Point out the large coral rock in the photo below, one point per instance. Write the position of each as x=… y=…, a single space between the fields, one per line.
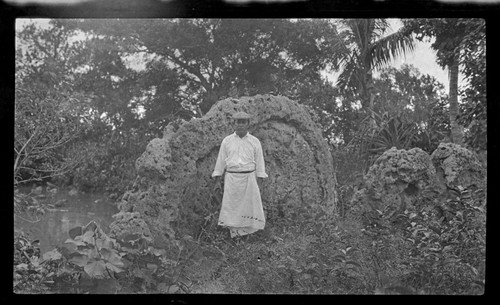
x=174 y=190
x=400 y=178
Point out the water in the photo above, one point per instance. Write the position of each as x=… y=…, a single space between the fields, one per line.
x=52 y=228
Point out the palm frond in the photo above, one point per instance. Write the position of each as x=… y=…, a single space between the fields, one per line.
x=394 y=133
x=380 y=27
x=387 y=48
x=348 y=80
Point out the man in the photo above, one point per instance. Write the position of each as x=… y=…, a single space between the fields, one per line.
x=241 y=163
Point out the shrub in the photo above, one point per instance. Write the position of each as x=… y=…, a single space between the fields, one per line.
x=439 y=249
x=91 y=262
x=29 y=274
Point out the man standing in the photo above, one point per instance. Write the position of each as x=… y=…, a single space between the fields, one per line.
x=241 y=163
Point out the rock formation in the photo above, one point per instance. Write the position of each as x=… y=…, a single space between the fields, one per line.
x=457 y=167
x=396 y=179
x=399 y=178
x=174 y=188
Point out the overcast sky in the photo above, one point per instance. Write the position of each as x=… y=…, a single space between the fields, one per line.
x=424 y=58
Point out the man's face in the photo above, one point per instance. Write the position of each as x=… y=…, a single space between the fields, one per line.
x=241 y=126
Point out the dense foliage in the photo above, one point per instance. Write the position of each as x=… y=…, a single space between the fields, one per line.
x=457 y=42
x=434 y=250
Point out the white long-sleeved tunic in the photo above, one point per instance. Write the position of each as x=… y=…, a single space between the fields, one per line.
x=240 y=154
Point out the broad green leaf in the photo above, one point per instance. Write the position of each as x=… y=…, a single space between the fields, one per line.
x=79 y=260
x=88 y=237
x=129 y=250
x=95 y=269
x=113 y=268
x=104 y=243
x=74 y=232
x=112 y=257
x=75 y=242
x=90 y=252
x=52 y=255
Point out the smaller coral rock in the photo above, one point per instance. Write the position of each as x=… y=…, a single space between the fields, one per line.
x=129 y=223
x=154 y=162
x=397 y=176
x=457 y=166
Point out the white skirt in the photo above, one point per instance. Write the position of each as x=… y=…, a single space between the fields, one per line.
x=241 y=209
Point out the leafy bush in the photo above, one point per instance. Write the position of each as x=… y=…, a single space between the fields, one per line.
x=448 y=245
x=29 y=273
x=92 y=262
x=432 y=249
x=30 y=204
x=109 y=162
x=437 y=248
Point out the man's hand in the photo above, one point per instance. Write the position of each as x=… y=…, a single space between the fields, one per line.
x=218 y=183
x=260 y=181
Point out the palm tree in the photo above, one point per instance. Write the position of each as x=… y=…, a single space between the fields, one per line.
x=367 y=48
x=456 y=130
x=449 y=35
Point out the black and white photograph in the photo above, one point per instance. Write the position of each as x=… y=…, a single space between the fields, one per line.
x=254 y=156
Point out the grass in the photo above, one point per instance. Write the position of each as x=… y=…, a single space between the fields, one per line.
x=313 y=253
x=315 y=256
x=283 y=260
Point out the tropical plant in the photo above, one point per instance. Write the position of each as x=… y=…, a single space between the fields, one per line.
x=28 y=273
x=90 y=248
x=393 y=133
x=365 y=49
x=450 y=36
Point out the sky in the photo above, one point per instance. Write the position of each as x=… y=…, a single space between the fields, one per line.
x=423 y=57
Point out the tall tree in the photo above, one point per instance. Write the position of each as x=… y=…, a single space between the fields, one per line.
x=449 y=37
x=473 y=94
x=210 y=56
x=366 y=48
x=48 y=111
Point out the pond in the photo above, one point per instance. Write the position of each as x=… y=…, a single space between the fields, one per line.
x=79 y=209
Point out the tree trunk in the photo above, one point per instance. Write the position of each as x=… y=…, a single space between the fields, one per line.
x=456 y=130
x=369 y=96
